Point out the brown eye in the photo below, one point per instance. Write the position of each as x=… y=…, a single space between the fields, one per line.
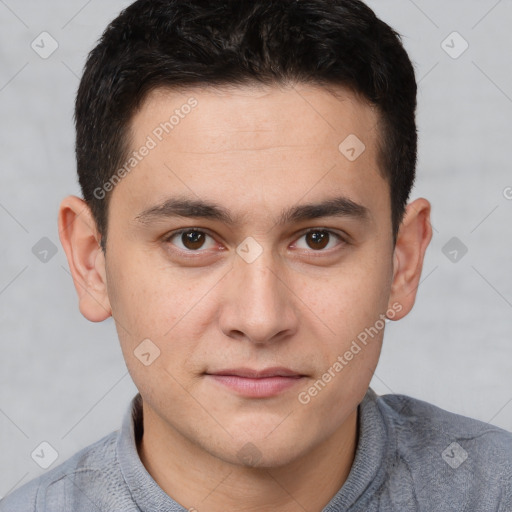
x=318 y=239
x=190 y=240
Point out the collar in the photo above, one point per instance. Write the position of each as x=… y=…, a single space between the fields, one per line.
x=365 y=477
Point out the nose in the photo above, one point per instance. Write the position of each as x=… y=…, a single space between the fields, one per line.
x=259 y=306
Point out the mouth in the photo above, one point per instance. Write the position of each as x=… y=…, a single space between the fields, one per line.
x=254 y=383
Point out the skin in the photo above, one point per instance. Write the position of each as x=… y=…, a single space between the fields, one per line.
x=255 y=151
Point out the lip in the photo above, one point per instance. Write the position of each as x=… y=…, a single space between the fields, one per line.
x=257 y=383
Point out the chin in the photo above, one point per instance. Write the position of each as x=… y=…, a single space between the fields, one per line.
x=259 y=456
x=262 y=451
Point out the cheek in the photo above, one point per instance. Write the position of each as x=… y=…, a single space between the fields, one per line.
x=171 y=308
x=351 y=303
x=353 y=296
x=147 y=297
x=352 y=306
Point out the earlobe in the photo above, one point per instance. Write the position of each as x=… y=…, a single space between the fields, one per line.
x=412 y=241
x=80 y=239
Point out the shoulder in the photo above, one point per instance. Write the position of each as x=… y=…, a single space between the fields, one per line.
x=421 y=423
x=78 y=479
x=447 y=453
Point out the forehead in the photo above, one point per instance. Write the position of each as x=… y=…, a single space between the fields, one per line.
x=307 y=113
x=255 y=147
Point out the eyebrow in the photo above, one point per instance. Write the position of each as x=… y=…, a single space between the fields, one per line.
x=185 y=207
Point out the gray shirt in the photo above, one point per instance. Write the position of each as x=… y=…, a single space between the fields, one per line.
x=411 y=456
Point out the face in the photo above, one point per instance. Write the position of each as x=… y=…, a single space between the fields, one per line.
x=252 y=236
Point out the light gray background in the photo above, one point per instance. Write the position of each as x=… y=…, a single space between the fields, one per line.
x=63 y=379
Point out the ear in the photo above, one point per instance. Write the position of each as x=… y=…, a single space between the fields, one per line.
x=412 y=241
x=81 y=242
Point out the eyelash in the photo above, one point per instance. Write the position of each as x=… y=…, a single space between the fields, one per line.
x=170 y=236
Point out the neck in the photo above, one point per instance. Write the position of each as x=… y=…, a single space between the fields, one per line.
x=199 y=481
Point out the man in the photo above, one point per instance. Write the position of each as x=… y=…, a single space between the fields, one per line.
x=246 y=167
